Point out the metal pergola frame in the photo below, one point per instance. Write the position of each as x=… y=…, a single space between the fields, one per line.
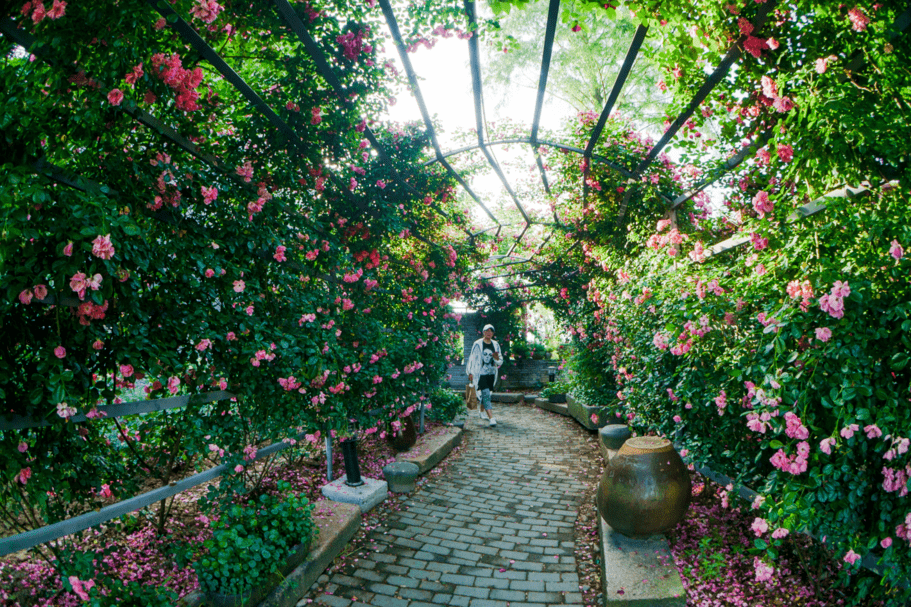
x=733 y=54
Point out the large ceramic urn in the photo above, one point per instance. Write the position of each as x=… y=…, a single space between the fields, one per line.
x=645 y=488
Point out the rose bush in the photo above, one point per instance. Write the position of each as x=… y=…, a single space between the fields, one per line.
x=164 y=232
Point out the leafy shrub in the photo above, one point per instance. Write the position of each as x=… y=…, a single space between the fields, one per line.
x=445 y=405
x=251 y=542
x=557 y=387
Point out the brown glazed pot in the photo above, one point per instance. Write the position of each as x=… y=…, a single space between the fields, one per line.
x=407 y=436
x=645 y=488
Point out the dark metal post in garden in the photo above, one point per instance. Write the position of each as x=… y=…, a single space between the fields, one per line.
x=328 y=456
x=352 y=468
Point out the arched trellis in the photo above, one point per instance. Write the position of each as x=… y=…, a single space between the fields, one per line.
x=293 y=22
x=733 y=54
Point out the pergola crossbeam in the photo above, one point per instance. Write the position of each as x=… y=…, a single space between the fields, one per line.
x=393 y=25
x=475 y=62
x=711 y=82
x=553 y=12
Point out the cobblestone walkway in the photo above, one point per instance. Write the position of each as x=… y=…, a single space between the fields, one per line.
x=495 y=529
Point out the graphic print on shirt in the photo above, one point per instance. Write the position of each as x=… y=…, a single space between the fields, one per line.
x=487 y=362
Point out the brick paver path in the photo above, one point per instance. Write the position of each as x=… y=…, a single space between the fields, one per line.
x=495 y=529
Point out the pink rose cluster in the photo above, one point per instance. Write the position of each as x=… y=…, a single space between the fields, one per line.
x=833 y=302
x=794 y=464
x=798 y=290
x=39 y=291
x=896 y=480
x=39 y=12
x=184 y=82
x=353 y=44
x=771 y=97
x=762 y=204
x=859 y=20
x=102 y=247
x=206 y=10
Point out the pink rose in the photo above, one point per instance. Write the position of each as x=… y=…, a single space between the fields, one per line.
x=825 y=445
x=848 y=431
x=60 y=352
x=102 y=247
x=763 y=570
x=81 y=588
x=126 y=370
x=25 y=297
x=97 y=344
x=886 y=542
x=115 y=96
x=873 y=431
x=40 y=291
x=23 y=446
x=24 y=475
x=896 y=251
x=759 y=526
x=68 y=249
x=105 y=491
x=823 y=334
x=239 y=286
x=57 y=11
x=851 y=557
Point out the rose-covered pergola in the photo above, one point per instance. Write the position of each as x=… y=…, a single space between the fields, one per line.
x=198 y=200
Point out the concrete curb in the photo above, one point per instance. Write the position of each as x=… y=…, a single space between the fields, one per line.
x=561 y=408
x=506 y=397
x=639 y=572
x=432 y=448
x=583 y=414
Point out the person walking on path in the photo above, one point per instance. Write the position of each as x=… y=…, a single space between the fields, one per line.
x=483 y=364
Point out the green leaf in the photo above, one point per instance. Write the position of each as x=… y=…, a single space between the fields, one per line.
x=761 y=544
x=131 y=229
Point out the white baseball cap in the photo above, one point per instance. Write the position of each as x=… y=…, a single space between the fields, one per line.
x=488 y=327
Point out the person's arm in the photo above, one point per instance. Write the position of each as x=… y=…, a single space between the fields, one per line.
x=498 y=359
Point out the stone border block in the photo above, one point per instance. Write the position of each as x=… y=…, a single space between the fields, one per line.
x=506 y=397
x=366 y=496
x=432 y=447
x=583 y=414
x=643 y=569
x=543 y=403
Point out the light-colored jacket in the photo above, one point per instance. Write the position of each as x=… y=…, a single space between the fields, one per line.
x=476 y=361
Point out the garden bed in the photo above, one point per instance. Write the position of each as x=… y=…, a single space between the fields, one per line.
x=714 y=551
x=129 y=549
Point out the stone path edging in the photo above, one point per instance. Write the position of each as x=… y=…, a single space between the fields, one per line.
x=432 y=447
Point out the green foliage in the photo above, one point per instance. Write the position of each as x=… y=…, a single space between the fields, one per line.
x=589 y=46
x=557 y=387
x=446 y=405
x=280 y=264
x=250 y=542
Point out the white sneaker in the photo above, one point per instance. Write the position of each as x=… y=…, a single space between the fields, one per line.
x=493 y=422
